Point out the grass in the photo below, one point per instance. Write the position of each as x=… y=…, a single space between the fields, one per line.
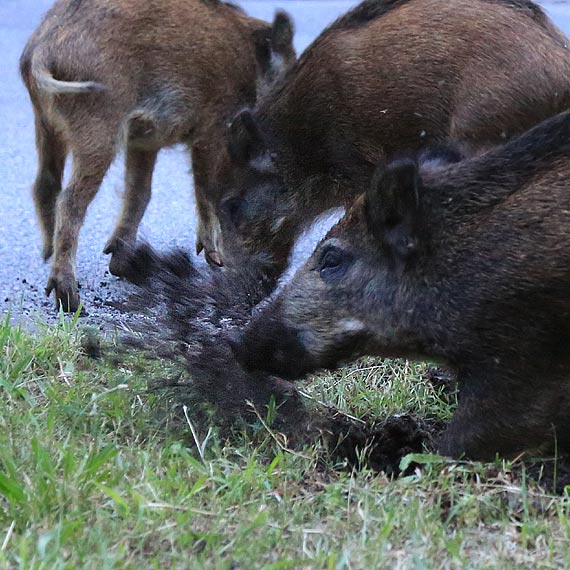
x=91 y=476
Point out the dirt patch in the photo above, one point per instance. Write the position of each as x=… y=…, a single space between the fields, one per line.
x=378 y=444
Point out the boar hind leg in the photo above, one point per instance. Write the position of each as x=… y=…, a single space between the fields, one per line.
x=138 y=179
x=89 y=168
x=47 y=186
x=209 y=231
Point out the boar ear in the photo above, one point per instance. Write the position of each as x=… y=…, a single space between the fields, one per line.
x=282 y=33
x=393 y=208
x=274 y=48
x=245 y=140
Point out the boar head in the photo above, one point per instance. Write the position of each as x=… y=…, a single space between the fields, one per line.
x=356 y=294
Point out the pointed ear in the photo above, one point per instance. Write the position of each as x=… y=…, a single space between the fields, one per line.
x=392 y=207
x=282 y=33
x=274 y=48
x=245 y=140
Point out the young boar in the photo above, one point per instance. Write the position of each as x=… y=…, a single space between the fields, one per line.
x=390 y=76
x=467 y=263
x=144 y=75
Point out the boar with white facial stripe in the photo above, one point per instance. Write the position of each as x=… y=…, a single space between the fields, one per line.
x=468 y=264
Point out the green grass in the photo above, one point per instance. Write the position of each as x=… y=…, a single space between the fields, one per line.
x=91 y=476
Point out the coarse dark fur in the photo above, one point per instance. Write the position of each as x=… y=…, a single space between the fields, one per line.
x=144 y=75
x=467 y=263
x=380 y=81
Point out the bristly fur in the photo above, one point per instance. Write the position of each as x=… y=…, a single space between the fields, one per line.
x=372 y=9
x=468 y=264
x=216 y=3
x=366 y=12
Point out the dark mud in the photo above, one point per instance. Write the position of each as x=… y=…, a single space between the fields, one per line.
x=444 y=383
x=378 y=444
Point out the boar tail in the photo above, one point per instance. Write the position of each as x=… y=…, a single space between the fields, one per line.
x=48 y=83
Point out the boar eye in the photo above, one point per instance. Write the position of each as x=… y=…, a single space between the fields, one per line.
x=333 y=263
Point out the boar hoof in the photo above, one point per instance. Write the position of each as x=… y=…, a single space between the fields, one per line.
x=135 y=264
x=118 y=266
x=112 y=246
x=66 y=294
x=214 y=258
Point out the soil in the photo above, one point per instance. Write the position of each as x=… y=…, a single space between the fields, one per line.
x=379 y=444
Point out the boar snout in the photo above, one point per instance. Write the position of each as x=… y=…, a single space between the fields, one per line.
x=270 y=346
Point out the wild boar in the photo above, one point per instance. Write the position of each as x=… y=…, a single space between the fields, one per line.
x=467 y=263
x=143 y=75
x=389 y=76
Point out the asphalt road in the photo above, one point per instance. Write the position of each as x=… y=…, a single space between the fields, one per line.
x=170 y=219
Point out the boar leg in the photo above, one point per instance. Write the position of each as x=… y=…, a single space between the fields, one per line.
x=89 y=168
x=203 y=211
x=47 y=186
x=138 y=179
x=500 y=419
x=209 y=231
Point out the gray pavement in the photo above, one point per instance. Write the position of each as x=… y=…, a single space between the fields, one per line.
x=170 y=219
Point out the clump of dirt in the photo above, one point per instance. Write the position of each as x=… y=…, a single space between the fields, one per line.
x=444 y=382
x=379 y=444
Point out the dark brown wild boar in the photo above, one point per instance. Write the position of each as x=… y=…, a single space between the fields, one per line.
x=144 y=75
x=467 y=263
x=390 y=76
